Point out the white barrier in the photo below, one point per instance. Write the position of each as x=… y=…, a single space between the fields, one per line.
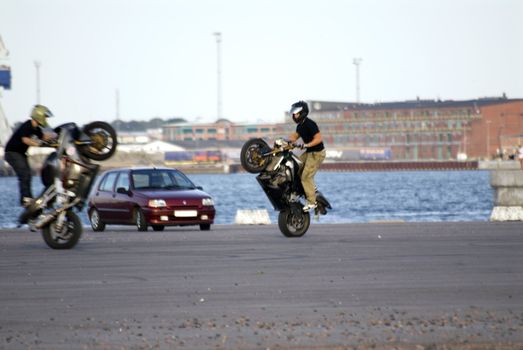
x=252 y=217
x=508 y=195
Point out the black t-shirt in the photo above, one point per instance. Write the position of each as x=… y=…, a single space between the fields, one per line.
x=15 y=143
x=307 y=130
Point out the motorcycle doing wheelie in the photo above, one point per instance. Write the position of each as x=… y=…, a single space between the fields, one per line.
x=279 y=172
x=68 y=175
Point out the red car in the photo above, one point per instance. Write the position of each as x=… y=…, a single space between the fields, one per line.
x=157 y=197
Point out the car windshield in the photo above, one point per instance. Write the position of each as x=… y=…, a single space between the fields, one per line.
x=160 y=179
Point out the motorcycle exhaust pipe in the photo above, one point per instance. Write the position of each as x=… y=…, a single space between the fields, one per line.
x=44 y=220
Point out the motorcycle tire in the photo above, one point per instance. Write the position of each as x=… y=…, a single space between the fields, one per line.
x=294 y=222
x=103 y=138
x=67 y=239
x=251 y=156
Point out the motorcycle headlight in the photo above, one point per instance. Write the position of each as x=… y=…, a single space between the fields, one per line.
x=207 y=202
x=157 y=203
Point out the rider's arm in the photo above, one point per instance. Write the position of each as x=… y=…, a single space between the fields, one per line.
x=316 y=140
x=31 y=142
x=294 y=136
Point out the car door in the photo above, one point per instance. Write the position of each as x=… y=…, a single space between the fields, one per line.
x=103 y=197
x=123 y=202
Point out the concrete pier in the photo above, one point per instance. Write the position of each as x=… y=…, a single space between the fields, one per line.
x=409 y=286
x=508 y=195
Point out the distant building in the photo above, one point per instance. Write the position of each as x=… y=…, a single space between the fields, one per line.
x=412 y=130
x=423 y=129
x=221 y=130
x=153 y=147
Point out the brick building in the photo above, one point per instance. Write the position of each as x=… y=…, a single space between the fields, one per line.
x=412 y=130
x=424 y=129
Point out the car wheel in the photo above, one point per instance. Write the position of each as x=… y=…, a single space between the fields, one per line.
x=205 y=227
x=96 y=223
x=158 y=227
x=139 y=220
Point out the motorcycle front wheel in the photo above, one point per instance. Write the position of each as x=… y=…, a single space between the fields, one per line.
x=251 y=155
x=68 y=236
x=102 y=143
x=294 y=222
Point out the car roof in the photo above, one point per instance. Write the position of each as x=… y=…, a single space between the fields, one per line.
x=138 y=168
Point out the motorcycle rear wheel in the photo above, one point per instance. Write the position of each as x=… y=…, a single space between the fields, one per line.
x=251 y=156
x=294 y=222
x=68 y=237
x=103 y=141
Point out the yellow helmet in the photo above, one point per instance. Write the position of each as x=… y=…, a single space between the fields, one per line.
x=40 y=114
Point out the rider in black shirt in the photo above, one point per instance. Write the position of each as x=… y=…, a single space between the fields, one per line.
x=30 y=133
x=315 y=152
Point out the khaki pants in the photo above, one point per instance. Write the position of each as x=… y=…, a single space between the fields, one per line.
x=312 y=162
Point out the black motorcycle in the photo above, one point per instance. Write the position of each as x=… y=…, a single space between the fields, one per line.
x=68 y=175
x=279 y=172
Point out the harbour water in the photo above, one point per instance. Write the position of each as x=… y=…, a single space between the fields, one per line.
x=355 y=196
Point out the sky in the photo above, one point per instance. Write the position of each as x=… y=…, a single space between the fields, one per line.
x=161 y=55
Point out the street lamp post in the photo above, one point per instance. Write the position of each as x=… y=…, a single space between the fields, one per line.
x=38 y=64
x=357 y=62
x=218 y=36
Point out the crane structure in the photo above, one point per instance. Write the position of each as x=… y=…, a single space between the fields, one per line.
x=5 y=83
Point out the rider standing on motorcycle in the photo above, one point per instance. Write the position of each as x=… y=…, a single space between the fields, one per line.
x=314 y=155
x=30 y=133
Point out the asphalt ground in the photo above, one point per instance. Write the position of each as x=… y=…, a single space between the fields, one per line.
x=378 y=285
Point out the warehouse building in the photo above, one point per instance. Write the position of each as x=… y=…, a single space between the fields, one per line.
x=409 y=130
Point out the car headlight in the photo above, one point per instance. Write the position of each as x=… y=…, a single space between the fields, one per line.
x=157 y=203
x=207 y=202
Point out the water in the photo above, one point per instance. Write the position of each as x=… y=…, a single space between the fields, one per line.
x=356 y=197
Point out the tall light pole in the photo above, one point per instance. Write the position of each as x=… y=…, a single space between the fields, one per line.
x=117 y=103
x=38 y=64
x=357 y=62
x=218 y=37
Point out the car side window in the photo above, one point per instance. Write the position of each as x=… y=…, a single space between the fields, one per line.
x=123 y=181
x=108 y=183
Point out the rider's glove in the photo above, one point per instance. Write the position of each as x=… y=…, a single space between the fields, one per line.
x=300 y=146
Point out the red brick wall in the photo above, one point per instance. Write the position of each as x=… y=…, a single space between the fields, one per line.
x=498 y=123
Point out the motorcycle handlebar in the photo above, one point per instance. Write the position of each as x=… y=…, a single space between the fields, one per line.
x=49 y=143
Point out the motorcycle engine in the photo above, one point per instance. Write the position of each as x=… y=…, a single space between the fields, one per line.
x=281 y=175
